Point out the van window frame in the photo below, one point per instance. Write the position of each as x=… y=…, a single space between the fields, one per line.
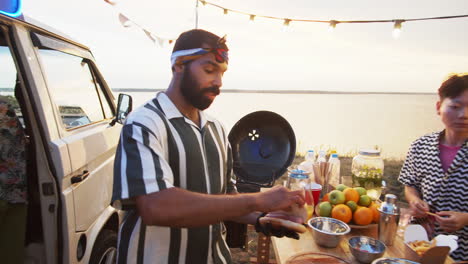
x=41 y=41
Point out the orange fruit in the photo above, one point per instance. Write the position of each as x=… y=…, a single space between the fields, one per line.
x=376 y=214
x=325 y=198
x=363 y=216
x=351 y=195
x=342 y=212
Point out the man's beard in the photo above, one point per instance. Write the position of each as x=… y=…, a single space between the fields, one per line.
x=191 y=92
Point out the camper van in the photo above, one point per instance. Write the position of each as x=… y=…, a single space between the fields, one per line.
x=72 y=127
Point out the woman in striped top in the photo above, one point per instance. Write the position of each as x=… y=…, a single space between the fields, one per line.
x=435 y=173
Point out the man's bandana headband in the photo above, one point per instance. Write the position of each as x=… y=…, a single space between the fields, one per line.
x=183 y=56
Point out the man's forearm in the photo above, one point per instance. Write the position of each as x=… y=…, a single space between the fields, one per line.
x=246 y=219
x=181 y=208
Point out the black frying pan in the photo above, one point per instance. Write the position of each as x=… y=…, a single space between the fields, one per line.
x=263 y=146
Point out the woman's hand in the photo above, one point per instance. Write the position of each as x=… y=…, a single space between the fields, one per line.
x=451 y=221
x=419 y=207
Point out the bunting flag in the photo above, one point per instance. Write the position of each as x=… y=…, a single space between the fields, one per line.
x=127 y=22
x=150 y=35
x=110 y=2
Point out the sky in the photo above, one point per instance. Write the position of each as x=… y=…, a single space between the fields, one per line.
x=355 y=57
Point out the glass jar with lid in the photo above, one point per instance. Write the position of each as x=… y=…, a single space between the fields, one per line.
x=297 y=179
x=367 y=171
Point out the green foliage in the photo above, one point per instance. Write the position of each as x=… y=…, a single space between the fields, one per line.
x=11 y=100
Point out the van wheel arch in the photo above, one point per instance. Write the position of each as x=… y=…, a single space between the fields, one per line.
x=105 y=248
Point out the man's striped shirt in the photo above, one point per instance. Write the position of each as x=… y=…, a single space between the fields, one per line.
x=159 y=148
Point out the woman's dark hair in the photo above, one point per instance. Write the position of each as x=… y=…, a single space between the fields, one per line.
x=195 y=38
x=454 y=86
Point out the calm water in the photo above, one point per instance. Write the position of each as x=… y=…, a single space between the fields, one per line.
x=346 y=122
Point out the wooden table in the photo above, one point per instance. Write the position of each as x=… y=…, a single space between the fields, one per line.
x=285 y=247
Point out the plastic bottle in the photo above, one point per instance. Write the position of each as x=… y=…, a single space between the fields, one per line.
x=322 y=156
x=308 y=163
x=335 y=177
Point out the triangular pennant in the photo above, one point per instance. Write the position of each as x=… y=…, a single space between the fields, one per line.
x=160 y=41
x=150 y=35
x=125 y=21
x=110 y=2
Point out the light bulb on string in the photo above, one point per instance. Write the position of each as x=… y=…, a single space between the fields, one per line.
x=225 y=11
x=397 y=28
x=286 y=25
x=332 y=26
x=203 y=2
x=251 y=18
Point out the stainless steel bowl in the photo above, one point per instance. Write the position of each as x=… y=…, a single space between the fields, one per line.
x=366 y=249
x=393 y=261
x=327 y=232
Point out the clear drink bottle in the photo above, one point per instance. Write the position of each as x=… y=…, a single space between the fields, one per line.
x=334 y=162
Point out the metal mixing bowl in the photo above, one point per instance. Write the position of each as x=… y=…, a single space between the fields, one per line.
x=327 y=232
x=393 y=261
x=366 y=249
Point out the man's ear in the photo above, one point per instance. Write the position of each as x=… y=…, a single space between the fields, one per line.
x=438 y=104
x=178 y=68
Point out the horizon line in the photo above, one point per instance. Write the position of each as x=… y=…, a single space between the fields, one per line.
x=278 y=91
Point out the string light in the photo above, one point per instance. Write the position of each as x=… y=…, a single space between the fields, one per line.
x=286 y=24
x=397 y=28
x=332 y=23
x=252 y=18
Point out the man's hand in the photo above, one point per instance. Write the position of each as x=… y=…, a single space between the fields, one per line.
x=269 y=229
x=451 y=221
x=418 y=207
x=279 y=198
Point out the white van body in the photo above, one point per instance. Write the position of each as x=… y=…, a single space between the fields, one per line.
x=70 y=170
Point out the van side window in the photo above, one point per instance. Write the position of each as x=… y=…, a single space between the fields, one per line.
x=105 y=104
x=72 y=88
x=8 y=78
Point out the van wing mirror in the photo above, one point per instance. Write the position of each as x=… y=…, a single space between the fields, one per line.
x=124 y=107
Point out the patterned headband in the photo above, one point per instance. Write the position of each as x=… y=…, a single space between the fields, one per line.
x=183 y=56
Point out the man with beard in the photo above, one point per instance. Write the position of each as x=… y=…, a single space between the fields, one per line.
x=173 y=167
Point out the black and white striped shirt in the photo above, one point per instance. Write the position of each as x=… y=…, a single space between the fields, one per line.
x=443 y=191
x=159 y=148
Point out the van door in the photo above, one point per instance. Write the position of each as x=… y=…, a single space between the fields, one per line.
x=43 y=162
x=84 y=108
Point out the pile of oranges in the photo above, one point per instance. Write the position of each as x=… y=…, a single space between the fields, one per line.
x=357 y=207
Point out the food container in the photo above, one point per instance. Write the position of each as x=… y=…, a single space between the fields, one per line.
x=366 y=249
x=438 y=252
x=315 y=258
x=327 y=232
x=367 y=171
